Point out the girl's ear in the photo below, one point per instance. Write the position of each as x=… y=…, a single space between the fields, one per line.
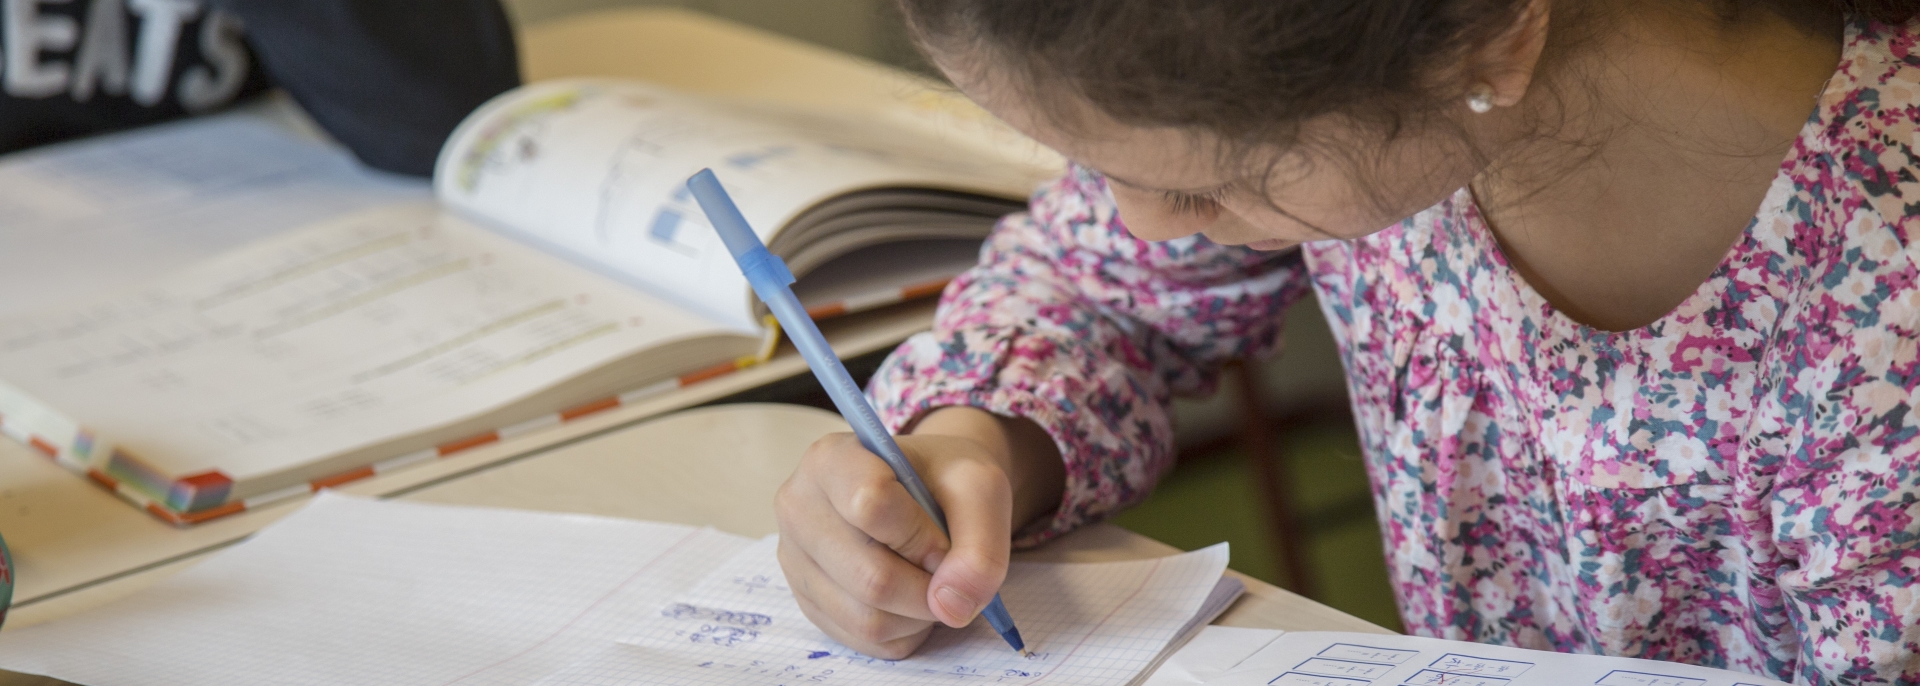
x=1507 y=63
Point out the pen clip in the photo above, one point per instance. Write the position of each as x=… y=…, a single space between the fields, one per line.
x=762 y=267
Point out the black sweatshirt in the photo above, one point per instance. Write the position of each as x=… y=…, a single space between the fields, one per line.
x=388 y=78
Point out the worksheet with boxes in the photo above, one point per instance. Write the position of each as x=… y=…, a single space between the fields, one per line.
x=1346 y=659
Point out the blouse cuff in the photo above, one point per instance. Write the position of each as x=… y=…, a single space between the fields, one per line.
x=920 y=377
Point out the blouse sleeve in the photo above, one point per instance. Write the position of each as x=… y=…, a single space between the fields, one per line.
x=1848 y=527
x=1071 y=322
x=1845 y=501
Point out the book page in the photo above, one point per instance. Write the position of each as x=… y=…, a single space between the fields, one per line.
x=596 y=170
x=354 y=591
x=1101 y=623
x=325 y=339
x=1348 y=659
x=93 y=216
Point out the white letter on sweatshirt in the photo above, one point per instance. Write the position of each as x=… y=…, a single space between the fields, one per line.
x=27 y=34
x=203 y=89
x=103 y=54
x=160 y=22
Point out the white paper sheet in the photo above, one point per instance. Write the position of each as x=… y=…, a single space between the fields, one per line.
x=1086 y=623
x=1348 y=659
x=1211 y=653
x=353 y=591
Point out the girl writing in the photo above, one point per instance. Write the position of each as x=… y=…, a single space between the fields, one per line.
x=1623 y=289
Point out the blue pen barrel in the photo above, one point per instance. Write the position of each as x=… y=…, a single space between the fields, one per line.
x=771 y=280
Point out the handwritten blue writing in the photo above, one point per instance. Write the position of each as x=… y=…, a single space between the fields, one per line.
x=1363 y=670
x=1467 y=664
x=795 y=672
x=723 y=636
x=1428 y=677
x=1348 y=651
x=759 y=582
x=985 y=676
x=685 y=611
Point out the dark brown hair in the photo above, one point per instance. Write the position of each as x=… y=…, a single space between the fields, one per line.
x=1248 y=71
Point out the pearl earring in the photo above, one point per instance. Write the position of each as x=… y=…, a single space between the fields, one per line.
x=1481 y=99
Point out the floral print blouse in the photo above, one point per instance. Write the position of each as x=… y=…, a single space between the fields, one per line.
x=1736 y=484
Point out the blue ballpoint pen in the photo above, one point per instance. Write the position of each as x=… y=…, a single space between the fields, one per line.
x=771 y=280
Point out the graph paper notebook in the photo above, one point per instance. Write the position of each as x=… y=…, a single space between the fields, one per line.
x=1105 y=623
x=558 y=268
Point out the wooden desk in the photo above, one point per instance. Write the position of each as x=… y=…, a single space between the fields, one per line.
x=716 y=466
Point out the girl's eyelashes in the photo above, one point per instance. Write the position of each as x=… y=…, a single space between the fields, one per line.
x=1194 y=204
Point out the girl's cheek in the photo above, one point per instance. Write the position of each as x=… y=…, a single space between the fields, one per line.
x=1267 y=224
x=1313 y=220
x=1148 y=219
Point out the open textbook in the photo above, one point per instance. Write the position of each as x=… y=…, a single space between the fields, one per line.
x=356 y=591
x=557 y=268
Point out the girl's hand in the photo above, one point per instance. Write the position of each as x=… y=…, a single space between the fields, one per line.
x=870 y=568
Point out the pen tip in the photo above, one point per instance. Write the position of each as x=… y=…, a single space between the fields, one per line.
x=1026 y=653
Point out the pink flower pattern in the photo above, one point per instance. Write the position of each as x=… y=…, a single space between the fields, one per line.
x=1734 y=485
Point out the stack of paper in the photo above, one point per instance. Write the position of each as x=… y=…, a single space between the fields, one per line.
x=353 y=591
x=1086 y=624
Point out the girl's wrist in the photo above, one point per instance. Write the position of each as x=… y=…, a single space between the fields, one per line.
x=1023 y=450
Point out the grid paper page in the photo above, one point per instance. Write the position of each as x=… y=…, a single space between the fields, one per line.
x=1330 y=658
x=1086 y=623
x=354 y=591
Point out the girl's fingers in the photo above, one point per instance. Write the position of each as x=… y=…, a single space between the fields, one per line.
x=849 y=558
x=858 y=548
x=979 y=514
x=855 y=563
x=895 y=649
x=861 y=626
x=867 y=495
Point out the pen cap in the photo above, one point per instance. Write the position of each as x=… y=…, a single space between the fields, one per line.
x=723 y=214
x=762 y=269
